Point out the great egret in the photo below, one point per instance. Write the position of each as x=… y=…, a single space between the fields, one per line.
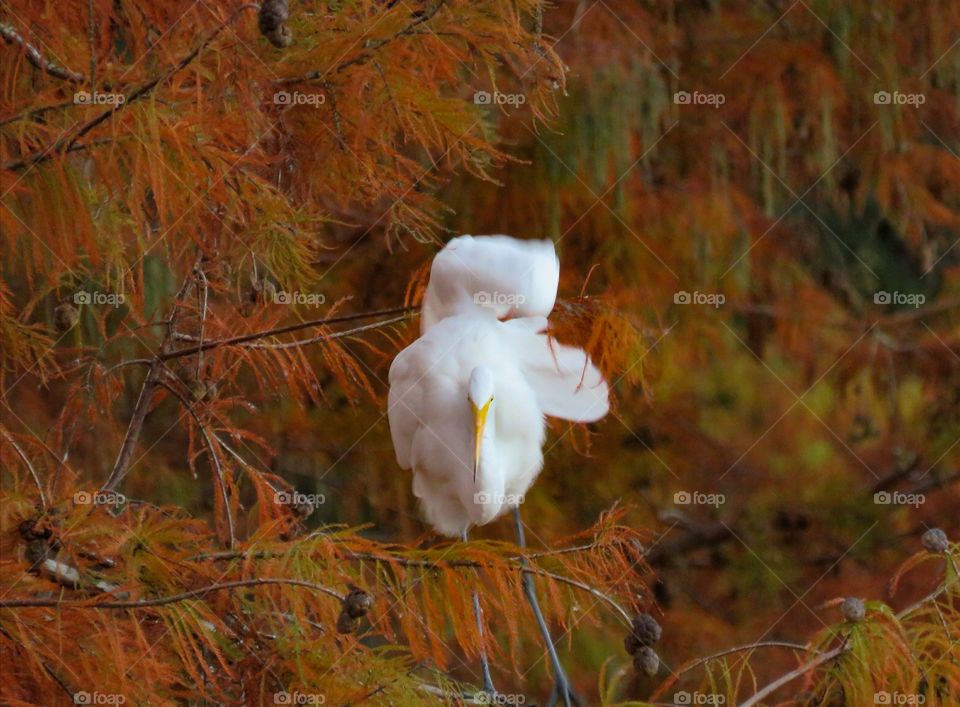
x=468 y=398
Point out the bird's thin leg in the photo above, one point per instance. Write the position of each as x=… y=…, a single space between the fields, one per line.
x=561 y=685
x=484 y=663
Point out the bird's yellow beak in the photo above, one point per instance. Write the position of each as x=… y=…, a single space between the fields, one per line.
x=479 y=423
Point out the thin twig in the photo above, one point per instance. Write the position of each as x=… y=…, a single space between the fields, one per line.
x=92 y=44
x=370 y=49
x=792 y=675
x=26 y=460
x=337 y=123
x=286 y=330
x=203 y=319
x=162 y=601
x=34 y=112
x=932 y=596
x=328 y=337
x=585 y=587
x=142 y=407
x=428 y=564
x=131 y=362
x=218 y=470
x=34 y=56
x=50 y=671
x=741 y=649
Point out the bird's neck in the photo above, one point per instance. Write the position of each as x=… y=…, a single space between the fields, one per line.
x=490 y=479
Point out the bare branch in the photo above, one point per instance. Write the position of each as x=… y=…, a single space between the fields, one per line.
x=792 y=675
x=26 y=460
x=142 y=406
x=162 y=601
x=741 y=649
x=428 y=564
x=215 y=462
x=33 y=55
x=245 y=338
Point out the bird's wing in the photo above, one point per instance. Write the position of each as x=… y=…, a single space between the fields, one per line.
x=511 y=277
x=403 y=402
x=563 y=378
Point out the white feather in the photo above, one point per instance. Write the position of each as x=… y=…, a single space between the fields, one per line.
x=511 y=277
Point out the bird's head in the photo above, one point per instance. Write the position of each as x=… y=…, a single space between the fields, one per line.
x=480 y=395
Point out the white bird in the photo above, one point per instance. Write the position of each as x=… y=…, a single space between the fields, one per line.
x=468 y=399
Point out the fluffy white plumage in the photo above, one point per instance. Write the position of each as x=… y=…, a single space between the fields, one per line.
x=483 y=355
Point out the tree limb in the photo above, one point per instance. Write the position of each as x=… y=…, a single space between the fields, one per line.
x=214 y=460
x=26 y=460
x=245 y=338
x=33 y=55
x=142 y=407
x=162 y=601
x=428 y=564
